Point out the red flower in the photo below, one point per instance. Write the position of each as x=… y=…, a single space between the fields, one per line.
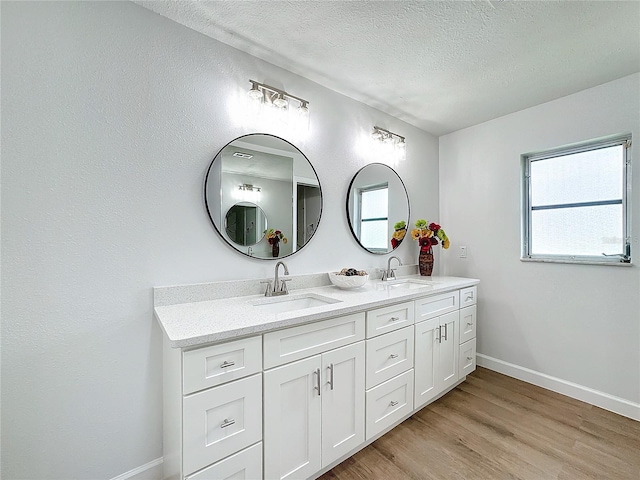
x=394 y=243
x=434 y=227
x=424 y=242
x=278 y=232
x=434 y=240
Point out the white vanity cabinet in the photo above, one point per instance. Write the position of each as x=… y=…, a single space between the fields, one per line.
x=292 y=403
x=313 y=407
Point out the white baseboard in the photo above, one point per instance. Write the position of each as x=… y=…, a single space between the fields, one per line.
x=148 y=471
x=579 y=392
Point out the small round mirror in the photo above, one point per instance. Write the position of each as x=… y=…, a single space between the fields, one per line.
x=258 y=179
x=378 y=208
x=245 y=223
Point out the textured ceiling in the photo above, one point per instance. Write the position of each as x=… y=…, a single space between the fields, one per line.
x=440 y=66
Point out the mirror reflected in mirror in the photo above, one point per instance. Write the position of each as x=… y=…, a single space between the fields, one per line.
x=259 y=182
x=378 y=208
x=245 y=223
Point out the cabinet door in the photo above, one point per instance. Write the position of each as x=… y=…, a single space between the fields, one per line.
x=427 y=337
x=342 y=401
x=292 y=416
x=449 y=349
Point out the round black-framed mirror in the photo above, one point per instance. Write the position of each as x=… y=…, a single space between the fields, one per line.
x=274 y=175
x=378 y=208
x=245 y=223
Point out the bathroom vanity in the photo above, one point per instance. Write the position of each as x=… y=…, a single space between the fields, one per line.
x=289 y=386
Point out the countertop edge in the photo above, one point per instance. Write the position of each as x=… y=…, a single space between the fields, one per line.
x=292 y=320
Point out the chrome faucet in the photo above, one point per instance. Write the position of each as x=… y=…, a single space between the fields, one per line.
x=390 y=273
x=279 y=286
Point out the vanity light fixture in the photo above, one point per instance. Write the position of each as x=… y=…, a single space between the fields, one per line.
x=247 y=187
x=246 y=156
x=394 y=144
x=249 y=193
x=385 y=136
x=276 y=97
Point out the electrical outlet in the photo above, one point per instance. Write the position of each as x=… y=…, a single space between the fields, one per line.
x=463 y=252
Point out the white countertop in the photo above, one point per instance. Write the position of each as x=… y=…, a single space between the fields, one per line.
x=196 y=323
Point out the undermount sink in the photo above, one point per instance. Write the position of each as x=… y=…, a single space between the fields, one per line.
x=406 y=284
x=290 y=303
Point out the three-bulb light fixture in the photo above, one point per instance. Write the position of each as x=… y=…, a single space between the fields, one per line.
x=248 y=193
x=392 y=147
x=279 y=99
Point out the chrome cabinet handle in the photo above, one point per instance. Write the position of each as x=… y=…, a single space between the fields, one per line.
x=393 y=403
x=394 y=319
x=331 y=376
x=469 y=359
x=227 y=422
x=446 y=329
x=470 y=323
x=317 y=374
x=439 y=337
x=393 y=355
x=469 y=296
x=226 y=364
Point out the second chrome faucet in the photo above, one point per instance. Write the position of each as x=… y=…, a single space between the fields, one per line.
x=279 y=286
x=390 y=274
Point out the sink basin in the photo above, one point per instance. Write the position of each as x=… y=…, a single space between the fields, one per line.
x=407 y=284
x=290 y=303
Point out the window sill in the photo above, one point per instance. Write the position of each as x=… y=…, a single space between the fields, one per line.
x=578 y=262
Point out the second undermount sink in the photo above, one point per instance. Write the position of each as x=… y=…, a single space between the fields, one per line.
x=290 y=303
x=406 y=284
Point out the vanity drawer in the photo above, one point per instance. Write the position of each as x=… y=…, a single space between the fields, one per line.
x=467 y=358
x=467 y=323
x=387 y=319
x=220 y=421
x=245 y=464
x=210 y=366
x=389 y=355
x=468 y=296
x=295 y=343
x=389 y=402
x=436 y=305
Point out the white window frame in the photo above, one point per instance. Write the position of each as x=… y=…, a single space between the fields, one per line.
x=361 y=220
x=622 y=259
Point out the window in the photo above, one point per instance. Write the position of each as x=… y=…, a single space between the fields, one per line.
x=374 y=217
x=575 y=203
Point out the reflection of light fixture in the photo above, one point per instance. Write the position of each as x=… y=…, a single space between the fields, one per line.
x=247 y=187
x=276 y=97
x=249 y=193
x=243 y=155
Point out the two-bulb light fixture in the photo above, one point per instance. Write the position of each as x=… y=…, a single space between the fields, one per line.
x=393 y=145
x=279 y=100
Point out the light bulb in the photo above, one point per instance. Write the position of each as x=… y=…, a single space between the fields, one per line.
x=303 y=110
x=376 y=135
x=280 y=102
x=255 y=92
x=401 y=144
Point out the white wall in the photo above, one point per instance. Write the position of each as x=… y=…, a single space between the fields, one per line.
x=578 y=323
x=111 y=115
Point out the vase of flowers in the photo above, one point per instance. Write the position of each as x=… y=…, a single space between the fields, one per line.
x=274 y=237
x=427 y=235
x=399 y=231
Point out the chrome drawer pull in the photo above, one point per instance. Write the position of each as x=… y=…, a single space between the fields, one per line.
x=317 y=374
x=469 y=296
x=394 y=319
x=393 y=403
x=470 y=323
x=439 y=337
x=393 y=355
x=446 y=329
x=226 y=364
x=227 y=423
x=469 y=359
x=331 y=375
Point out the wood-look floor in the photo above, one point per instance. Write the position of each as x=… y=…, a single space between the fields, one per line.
x=496 y=427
